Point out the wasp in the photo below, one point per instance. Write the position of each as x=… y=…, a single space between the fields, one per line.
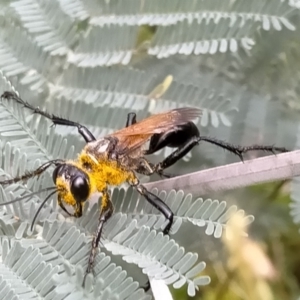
x=118 y=158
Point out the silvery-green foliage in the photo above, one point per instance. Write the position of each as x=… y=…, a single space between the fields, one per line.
x=95 y=61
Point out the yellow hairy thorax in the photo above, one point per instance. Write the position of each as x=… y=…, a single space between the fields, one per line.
x=101 y=172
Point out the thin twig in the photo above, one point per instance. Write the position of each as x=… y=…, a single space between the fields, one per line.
x=265 y=169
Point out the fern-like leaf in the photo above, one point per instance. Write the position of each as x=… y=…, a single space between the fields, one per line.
x=24 y=273
x=105 y=47
x=112 y=281
x=19 y=56
x=52 y=30
x=211 y=214
x=118 y=87
x=157 y=13
x=170 y=263
x=204 y=37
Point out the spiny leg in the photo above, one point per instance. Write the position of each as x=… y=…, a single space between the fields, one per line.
x=174 y=139
x=84 y=132
x=187 y=136
x=105 y=214
x=240 y=150
x=237 y=150
x=161 y=206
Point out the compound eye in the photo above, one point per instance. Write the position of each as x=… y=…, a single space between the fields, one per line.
x=80 y=188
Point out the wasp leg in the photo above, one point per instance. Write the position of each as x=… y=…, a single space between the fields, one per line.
x=186 y=137
x=158 y=204
x=161 y=206
x=84 y=132
x=240 y=150
x=106 y=212
x=237 y=150
x=131 y=119
x=182 y=137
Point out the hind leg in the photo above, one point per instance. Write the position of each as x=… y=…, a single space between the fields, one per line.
x=187 y=136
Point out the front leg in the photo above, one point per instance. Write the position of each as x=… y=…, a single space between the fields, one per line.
x=160 y=205
x=155 y=201
x=105 y=214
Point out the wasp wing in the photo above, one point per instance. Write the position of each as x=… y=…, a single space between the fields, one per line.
x=135 y=136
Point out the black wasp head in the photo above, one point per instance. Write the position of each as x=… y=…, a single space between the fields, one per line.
x=74 y=178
